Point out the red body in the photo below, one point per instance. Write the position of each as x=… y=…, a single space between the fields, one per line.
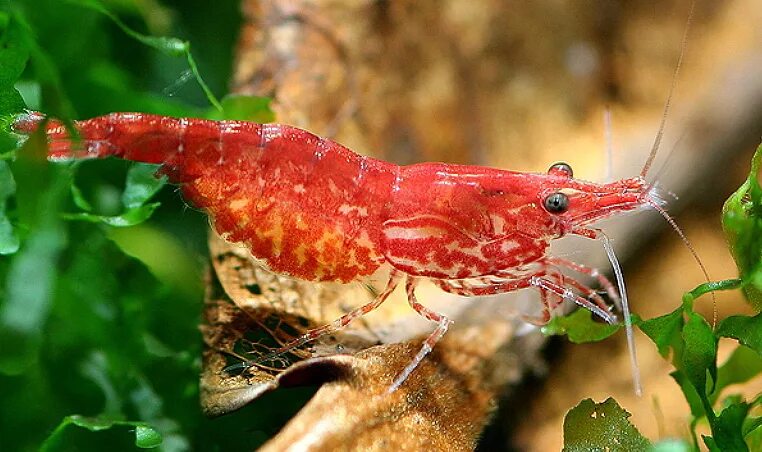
x=313 y=209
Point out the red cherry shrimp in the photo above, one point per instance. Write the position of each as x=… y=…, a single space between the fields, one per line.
x=312 y=209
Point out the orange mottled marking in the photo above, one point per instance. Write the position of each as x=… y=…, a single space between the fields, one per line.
x=307 y=213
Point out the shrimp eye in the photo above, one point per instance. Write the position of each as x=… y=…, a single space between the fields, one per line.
x=556 y=203
x=561 y=168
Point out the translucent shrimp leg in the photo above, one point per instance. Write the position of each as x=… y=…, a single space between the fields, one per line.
x=443 y=323
x=604 y=282
x=337 y=324
x=543 y=283
x=568 y=294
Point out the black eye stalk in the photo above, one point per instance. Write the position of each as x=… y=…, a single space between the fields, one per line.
x=561 y=169
x=557 y=203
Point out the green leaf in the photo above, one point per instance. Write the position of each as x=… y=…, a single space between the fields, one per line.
x=164 y=256
x=31 y=93
x=129 y=218
x=9 y=241
x=732 y=399
x=742 y=224
x=580 y=327
x=751 y=424
x=96 y=368
x=671 y=445
x=146 y=437
x=700 y=352
x=10 y=101
x=40 y=192
x=7 y=183
x=14 y=54
x=689 y=392
x=132 y=216
x=79 y=199
x=142 y=184
x=52 y=91
x=743 y=365
x=14 y=50
x=754 y=439
x=709 y=441
x=93 y=424
x=746 y=330
x=664 y=330
x=601 y=426
x=244 y=108
x=727 y=429
x=707 y=287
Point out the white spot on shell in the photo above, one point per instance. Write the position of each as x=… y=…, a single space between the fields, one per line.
x=508 y=246
x=346 y=208
x=271 y=132
x=498 y=224
x=239 y=203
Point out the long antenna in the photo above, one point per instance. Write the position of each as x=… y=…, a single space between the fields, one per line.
x=609 y=144
x=687 y=242
x=660 y=133
x=626 y=311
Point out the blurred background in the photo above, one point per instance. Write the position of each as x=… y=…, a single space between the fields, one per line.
x=105 y=320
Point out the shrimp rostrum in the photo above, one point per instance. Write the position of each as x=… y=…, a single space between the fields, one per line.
x=311 y=208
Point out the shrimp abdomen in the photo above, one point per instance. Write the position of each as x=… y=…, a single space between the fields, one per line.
x=307 y=206
x=310 y=206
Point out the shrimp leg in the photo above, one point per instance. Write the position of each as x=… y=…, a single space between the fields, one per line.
x=550 y=286
x=337 y=324
x=443 y=323
x=490 y=286
x=592 y=272
x=541 y=282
